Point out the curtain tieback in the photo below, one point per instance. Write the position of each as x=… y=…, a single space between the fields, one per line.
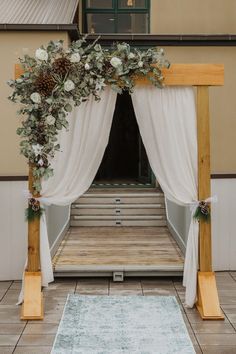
x=196 y=204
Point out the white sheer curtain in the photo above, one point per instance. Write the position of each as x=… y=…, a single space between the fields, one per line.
x=75 y=166
x=167 y=123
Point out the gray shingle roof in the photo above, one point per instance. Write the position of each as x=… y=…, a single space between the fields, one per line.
x=37 y=11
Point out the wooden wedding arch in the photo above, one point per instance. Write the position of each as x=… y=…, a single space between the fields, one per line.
x=202 y=76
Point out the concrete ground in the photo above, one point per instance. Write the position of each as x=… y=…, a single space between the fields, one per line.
x=24 y=337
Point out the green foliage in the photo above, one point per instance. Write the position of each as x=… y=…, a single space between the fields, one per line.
x=31 y=214
x=47 y=90
x=199 y=215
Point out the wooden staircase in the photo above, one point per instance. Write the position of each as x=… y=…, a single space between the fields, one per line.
x=129 y=207
x=118 y=232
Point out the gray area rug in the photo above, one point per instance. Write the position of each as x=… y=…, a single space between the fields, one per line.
x=122 y=325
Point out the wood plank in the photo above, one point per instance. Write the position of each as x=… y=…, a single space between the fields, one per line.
x=18 y=71
x=204 y=174
x=111 y=246
x=32 y=308
x=191 y=75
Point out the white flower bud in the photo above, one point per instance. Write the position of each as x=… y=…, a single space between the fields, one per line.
x=115 y=62
x=87 y=66
x=131 y=56
x=37 y=148
x=41 y=54
x=140 y=64
x=35 y=97
x=50 y=120
x=75 y=58
x=69 y=85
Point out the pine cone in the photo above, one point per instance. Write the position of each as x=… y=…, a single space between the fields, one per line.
x=205 y=210
x=61 y=66
x=45 y=84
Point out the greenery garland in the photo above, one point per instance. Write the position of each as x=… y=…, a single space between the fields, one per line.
x=56 y=78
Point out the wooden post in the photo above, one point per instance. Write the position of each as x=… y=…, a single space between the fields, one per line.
x=208 y=301
x=32 y=308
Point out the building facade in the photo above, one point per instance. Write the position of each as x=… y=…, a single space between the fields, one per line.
x=190 y=32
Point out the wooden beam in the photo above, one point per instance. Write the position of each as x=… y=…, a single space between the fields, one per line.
x=208 y=301
x=180 y=75
x=191 y=75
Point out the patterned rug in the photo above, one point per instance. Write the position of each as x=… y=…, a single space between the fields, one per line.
x=122 y=325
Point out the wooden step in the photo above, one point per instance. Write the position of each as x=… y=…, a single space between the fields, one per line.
x=122 y=209
x=118 y=222
x=120 y=199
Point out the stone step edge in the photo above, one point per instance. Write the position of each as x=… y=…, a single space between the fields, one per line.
x=119 y=195
x=118 y=217
x=117 y=206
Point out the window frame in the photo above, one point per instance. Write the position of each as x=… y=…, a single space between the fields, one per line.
x=115 y=11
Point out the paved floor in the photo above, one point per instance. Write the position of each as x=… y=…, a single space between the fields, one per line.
x=37 y=337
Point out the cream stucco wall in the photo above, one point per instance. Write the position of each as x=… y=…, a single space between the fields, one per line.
x=222 y=102
x=13 y=45
x=193 y=16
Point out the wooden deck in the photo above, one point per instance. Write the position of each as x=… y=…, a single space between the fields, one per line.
x=109 y=249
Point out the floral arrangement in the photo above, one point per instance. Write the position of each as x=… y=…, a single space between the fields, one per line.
x=34 y=210
x=203 y=211
x=56 y=78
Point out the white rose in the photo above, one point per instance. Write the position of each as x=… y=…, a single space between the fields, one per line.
x=50 y=120
x=75 y=58
x=115 y=62
x=37 y=148
x=131 y=56
x=140 y=64
x=41 y=54
x=87 y=66
x=35 y=97
x=69 y=85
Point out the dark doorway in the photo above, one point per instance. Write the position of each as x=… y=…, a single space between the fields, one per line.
x=125 y=159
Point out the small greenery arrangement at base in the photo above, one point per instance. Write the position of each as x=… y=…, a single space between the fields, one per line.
x=34 y=211
x=56 y=78
x=203 y=211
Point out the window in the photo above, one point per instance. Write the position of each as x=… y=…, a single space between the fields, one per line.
x=116 y=16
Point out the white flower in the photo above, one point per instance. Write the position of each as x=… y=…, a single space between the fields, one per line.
x=40 y=162
x=140 y=64
x=69 y=85
x=115 y=62
x=35 y=97
x=50 y=120
x=131 y=56
x=37 y=148
x=87 y=66
x=41 y=54
x=75 y=58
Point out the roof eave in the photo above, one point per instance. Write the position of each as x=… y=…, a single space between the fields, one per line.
x=72 y=29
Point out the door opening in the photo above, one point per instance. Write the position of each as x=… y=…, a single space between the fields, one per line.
x=125 y=160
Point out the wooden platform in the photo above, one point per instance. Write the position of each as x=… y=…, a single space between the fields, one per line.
x=104 y=250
